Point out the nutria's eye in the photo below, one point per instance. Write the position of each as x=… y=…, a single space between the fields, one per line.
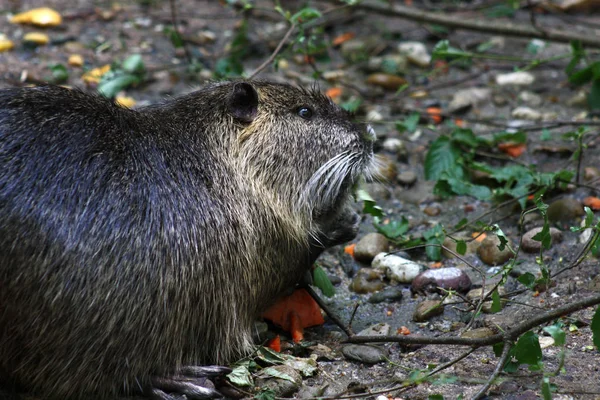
x=305 y=112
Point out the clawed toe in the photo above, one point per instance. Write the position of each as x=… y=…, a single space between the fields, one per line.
x=192 y=382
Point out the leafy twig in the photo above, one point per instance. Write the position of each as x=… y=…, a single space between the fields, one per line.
x=275 y=52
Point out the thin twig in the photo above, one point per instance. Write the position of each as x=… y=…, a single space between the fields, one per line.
x=499 y=365
x=275 y=52
x=188 y=56
x=328 y=311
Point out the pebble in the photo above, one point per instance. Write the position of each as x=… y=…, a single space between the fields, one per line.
x=380 y=329
x=365 y=353
x=526 y=267
x=392 y=294
x=416 y=53
x=281 y=387
x=530 y=98
x=463 y=99
x=406 y=178
x=433 y=280
x=396 y=64
x=520 y=78
x=489 y=252
x=369 y=246
x=478 y=333
x=530 y=245
x=580 y=99
x=386 y=81
x=546 y=341
x=564 y=210
x=367 y=280
x=432 y=211
x=427 y=309
x=591 y=173
x=374 y=116
x=396 y=268
x=394 y=145
x=526 y=113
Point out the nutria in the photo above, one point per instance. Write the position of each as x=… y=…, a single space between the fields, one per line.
x=136 y=242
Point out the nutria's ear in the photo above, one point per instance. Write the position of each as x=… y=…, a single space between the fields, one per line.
x=243 y=102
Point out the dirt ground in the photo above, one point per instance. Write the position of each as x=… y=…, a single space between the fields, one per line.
x=105 y=31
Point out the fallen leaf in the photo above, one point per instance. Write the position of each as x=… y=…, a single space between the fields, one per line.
x=512 y=149
x=436 y=265
x=592 y=202
x=350 y=249
x=344 y=37
x=435 y=113
x=478 y=236
x=44 y=17
x=334 y=92
x=75 y=60
x=125 y=101
x=386 y=81
x=403 y=331
x=94 y=75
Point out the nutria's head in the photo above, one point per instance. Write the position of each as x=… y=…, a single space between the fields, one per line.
x=302 y=148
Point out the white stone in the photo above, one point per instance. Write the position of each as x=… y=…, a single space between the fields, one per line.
x=416 y=52
x=526 y=113
x=393 y=145
x=530 y=98
x=520 y=78
x=468 y=97
x=397 y=268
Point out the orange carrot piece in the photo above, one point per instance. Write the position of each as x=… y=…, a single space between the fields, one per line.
x=350 y=249
x=512 y=149
x=344 y=37
x=296 y=327
x=334 y=92
x=435 y=113
x=592 y=202
x=275 y=344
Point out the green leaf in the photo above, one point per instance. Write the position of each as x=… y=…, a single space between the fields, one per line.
x=174 y=37
x=546 y=389
x=578 y=54
x=496 y=302
x=461 y=247
x=435 y=397
x=434 y=236
x=60 y=74
x=586 y=74
x=134 y=64
x=409 y=124
x=557 y=333
x=352 y=105
x=544 y=236
x=595 y=326
x=527 y=279
x=392 y=229
x=111 y=87
x=270 y=371
x=513 y=137
x=498 y=347
x=321 y=280
x=527 y=349
x=442 y=157
x=594 y=96
x=461 y=224
x=241 y=376
x=305 y=15
x=369 y=205
x=266 y=394
x=466 y=137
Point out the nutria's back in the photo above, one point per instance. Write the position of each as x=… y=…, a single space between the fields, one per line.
x=134 y=242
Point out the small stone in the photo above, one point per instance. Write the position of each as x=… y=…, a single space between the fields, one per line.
x=75 y=60
x=564 y=210
x=580 y=99
x=386 y=81
x=499 y=100
x=520 y=78
x=369 y=246
x=478 y=333
x=365 y=353
x=374 y=116
x=526 y=113
x=406 y=178
x=416 y=53
x=433 y=280
x=526 y=267
x=367 y=280
x=396 y=64
x=432 y=211
x=281 y=387
x=546 y=341
x=427 y=309
x=530 y=245
x=396 y=268
x=530 y=98
x=591 y=173
x=490 y=253
x=466 y=98
x=392 y=294
x=332 y=76
x=393 y=145
x=380 y=329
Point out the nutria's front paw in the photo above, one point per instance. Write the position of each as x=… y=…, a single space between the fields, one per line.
x=192 y=382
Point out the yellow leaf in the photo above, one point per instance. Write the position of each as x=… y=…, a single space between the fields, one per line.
x=95 y=74
x=125 y=101
x=38 y=16
x=75 y=60
x=6 y=45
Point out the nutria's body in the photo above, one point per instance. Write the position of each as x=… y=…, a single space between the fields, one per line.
x=135 y=242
